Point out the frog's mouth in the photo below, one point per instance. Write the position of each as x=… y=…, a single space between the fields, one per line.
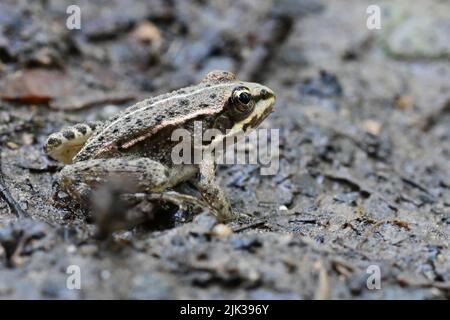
x=258 y=118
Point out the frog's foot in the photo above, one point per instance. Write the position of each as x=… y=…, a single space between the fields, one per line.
x=219 y=204
x=179 y=199
x=75 y=195
x=213 y=195
x=65 y=144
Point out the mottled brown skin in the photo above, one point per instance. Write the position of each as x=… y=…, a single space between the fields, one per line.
x=136 y=143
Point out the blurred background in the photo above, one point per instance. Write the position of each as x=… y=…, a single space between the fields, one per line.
x=364 y=120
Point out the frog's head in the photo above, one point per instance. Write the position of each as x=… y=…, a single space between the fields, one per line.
x=249 y=104
x=245 y=104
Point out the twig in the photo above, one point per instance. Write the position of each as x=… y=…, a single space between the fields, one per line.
x=415 y=184
x=323 y=287
x=427 y=284
x=274 y=33
x=342 y=267
x=428 y=120
x=8 y=198
x=251 y=225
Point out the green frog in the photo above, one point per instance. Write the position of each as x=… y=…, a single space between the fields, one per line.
x=136 y=143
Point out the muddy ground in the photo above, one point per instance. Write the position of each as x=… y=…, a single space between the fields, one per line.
x=364 y=175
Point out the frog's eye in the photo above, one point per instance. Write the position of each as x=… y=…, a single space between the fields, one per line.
x=242 y=95
x=243 y=98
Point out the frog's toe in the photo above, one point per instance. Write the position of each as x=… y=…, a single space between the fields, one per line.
x=223 y=212
x=65 y=144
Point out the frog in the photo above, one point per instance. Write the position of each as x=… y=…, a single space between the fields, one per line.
x=136 y=142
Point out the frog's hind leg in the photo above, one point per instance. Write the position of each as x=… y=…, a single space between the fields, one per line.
x=65 y=144
x=132 y=175
x=179 y=199
x=137 y=175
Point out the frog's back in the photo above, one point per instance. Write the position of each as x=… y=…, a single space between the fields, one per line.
x=141 y=121
x=144 y=119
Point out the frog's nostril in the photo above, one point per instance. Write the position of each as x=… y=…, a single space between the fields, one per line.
x=267 y=93
x=264 y=93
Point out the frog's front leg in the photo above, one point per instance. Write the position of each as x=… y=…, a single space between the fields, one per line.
x=134 y=175
x=211 y=191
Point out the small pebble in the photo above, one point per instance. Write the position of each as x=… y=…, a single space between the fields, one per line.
x=403 y=102
x=28 y=139
x=88 y=249
x=147 y=32
x=71 y=249
x=12 y=145
x=373 y=127
x=221 y=230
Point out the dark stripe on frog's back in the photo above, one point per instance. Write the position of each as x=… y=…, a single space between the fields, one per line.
x=153 y=112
